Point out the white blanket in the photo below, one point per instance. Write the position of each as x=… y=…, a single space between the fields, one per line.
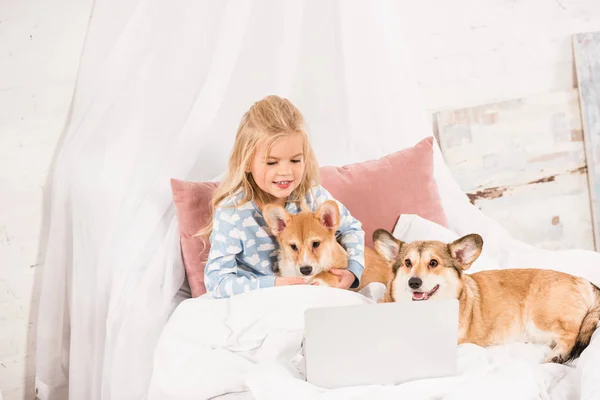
x=252 y=342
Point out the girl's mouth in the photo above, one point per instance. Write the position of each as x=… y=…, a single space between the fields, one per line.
x=283 y=184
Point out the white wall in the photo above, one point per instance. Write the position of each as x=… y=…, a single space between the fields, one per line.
x=466 y=52
x=472 y=52
x=40 y=42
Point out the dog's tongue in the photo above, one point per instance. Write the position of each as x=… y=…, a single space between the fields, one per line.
x=418 y=295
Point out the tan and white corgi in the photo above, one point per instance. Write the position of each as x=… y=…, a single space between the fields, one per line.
x=308 y=246
x=499 y=306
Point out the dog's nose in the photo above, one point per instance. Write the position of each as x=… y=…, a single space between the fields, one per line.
x=306 y=270
x=415 y=282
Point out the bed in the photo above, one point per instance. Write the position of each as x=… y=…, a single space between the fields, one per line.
x=250 y=346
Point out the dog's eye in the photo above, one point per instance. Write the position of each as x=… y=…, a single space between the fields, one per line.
x=433 y=263
x=316 y=244
x=407 y=263
x=294 y=247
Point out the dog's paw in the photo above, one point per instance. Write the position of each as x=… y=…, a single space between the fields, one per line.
x=325 y=279
x=556 y=359
x=319 y=282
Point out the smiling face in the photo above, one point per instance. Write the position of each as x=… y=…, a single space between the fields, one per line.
x=426 y=270
x=279 y=171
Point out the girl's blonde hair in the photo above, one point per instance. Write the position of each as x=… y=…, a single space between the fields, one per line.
x=266 y=121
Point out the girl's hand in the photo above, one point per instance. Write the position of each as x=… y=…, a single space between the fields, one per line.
x=280 y=281
x=346 y=277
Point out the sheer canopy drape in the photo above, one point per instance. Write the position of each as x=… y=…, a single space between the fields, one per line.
x=160 y=91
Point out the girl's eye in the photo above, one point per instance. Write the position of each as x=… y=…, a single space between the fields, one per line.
x=294 y=247
x=407 y=263
x=271 y=162
x=316 y=244
x=433 y=263
x=296 y=161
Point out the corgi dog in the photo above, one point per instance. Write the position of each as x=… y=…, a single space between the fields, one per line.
x=308 y=246
x=496 y=306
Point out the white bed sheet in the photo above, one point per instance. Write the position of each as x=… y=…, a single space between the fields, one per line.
x=235 y=396
x=252 y=343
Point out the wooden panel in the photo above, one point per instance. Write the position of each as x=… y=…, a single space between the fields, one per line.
x=522 y=162
x=586 y=48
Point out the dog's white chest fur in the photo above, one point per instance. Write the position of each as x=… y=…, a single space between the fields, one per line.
x=288 y=268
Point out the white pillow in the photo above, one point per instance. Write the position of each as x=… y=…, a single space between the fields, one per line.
x=411 y=227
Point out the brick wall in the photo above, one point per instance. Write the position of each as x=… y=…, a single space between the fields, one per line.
x=40 y=42
x=470 y=52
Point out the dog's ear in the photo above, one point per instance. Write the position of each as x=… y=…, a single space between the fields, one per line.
x=386 y=245
x=329 y=215
x=466 y=249
x=276 y=217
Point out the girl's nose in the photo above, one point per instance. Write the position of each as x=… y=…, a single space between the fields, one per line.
x=284 y=170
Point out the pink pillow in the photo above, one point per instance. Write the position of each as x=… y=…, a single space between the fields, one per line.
x=376 y=192
x=192 y=200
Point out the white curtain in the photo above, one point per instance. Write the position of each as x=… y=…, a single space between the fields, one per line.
x=161 y=88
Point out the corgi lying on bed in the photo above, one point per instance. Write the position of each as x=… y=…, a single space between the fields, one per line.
x=308 y=246
x=499 y=306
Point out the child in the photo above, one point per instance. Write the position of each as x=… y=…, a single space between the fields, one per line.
x=271 y=162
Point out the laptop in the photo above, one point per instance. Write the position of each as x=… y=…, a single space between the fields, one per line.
x=380 y=344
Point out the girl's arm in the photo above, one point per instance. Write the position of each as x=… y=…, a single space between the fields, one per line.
x=350 y=234
x=222 y=276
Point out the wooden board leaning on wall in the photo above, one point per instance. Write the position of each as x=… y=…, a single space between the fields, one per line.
x=586 y=50
x=523 y=163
